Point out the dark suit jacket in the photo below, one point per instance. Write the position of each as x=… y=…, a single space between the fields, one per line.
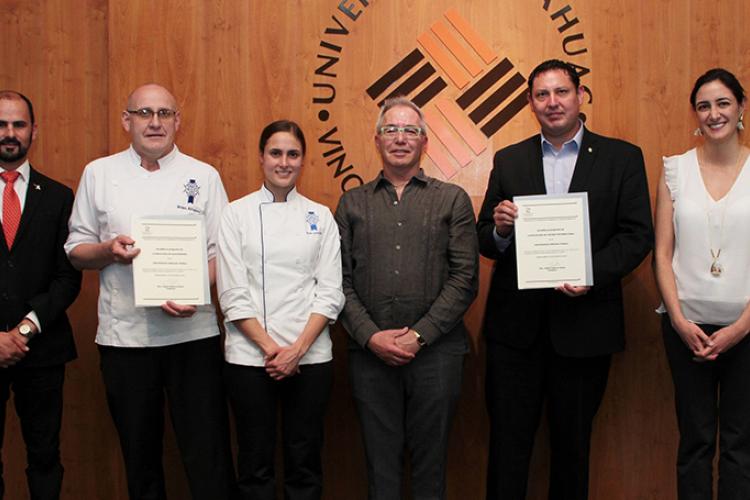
x=613 y=174
x=36 y=274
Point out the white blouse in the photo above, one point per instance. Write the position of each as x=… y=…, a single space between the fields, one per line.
x=702 y=224
x=278 y=263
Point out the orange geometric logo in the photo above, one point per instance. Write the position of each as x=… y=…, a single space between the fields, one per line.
x=488 y=93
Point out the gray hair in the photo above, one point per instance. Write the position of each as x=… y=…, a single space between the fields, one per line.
x=392 y=102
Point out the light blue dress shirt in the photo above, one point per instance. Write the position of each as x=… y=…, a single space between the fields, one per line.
x=558 y=166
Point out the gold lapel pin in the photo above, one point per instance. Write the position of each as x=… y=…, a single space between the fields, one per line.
x=591 y=150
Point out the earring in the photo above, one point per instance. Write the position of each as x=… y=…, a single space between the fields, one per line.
x=740 y=125
x=697 y=132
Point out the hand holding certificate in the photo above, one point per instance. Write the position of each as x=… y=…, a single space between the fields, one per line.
x=172 y=263
x=553 y=243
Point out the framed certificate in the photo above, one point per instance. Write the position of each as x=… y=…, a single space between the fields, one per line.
x=553 y=241
x=172 y=264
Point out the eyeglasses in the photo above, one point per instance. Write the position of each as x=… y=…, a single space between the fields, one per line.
x=409 y=131
x=148 y=113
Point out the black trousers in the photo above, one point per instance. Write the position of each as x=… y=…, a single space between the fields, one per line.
x=711 y=396
x=406 y=407
x=189 y=374
x=255 y=398
x=38 y=397
x=517 y=384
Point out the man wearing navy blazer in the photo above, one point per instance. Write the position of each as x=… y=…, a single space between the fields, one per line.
x=37 y=284
x=556 y=344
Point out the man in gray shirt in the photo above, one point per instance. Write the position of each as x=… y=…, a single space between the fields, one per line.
x=410 y=272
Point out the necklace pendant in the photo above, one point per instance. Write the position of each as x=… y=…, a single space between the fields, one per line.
x=716 y=269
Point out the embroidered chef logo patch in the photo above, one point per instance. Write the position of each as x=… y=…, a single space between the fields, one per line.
x=191 y=190
x=312 y=220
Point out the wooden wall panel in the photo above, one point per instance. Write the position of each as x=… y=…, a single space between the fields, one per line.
x=235 y=66
x=56 y=54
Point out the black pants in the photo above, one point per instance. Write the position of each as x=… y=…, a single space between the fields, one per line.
x=517 y=384
x=38 y=397
x=255 y=399
x=710 y=396
x=136 y=380
x=406 y=407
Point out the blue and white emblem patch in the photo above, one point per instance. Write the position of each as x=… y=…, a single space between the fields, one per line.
x=191 y=190
x=312 y=220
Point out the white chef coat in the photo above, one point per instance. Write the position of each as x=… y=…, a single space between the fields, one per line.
x=112 y=191
x=278 y=263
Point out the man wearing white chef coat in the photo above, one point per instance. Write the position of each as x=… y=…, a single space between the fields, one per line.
x=149 y=352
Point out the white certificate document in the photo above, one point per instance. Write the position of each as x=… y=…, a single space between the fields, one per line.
x=553 y=241
x=172 y=264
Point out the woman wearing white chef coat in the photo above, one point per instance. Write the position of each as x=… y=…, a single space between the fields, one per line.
x=279 y=284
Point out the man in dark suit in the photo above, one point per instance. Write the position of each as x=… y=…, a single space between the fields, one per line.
x=37 y=284
x=556 y=344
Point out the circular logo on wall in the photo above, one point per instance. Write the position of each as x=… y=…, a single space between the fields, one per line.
x=463 y=65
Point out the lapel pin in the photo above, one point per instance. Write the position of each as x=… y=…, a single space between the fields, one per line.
x=37 y=187
x=591 y=150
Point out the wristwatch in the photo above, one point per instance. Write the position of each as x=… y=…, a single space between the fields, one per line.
x=420 y=340
x=25 y=331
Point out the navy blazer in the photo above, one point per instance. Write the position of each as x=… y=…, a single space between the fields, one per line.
x=613 y=174
x=36 y=275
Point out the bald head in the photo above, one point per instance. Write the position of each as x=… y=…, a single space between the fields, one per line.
x=150 y=89
x=152 y=133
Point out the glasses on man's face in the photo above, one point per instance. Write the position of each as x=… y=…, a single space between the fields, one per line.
x=148 y=113
x=409 y=131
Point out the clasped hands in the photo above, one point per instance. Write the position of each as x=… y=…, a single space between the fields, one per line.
x=13 y=348
x=704 y=347
x=395 y=347
x=283 y=362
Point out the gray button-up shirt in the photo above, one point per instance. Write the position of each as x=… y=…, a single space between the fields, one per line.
x=411 y=262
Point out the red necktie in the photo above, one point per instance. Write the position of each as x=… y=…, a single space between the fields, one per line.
x=11 y=207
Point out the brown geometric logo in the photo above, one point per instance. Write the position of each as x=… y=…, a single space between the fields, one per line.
x=488 y=92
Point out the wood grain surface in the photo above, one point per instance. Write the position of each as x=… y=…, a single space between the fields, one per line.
x=235 y=65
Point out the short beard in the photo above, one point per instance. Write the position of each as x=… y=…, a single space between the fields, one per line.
x=14 y=157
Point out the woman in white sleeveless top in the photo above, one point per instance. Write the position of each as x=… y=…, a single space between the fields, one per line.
x=702 y=267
